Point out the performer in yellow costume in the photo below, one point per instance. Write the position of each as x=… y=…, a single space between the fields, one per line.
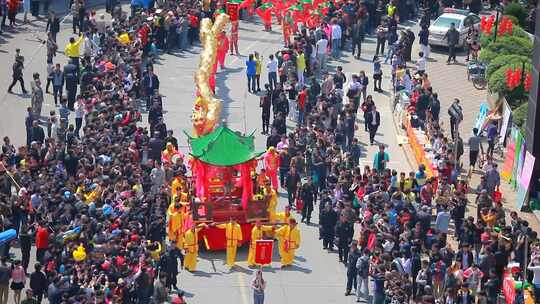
x=272 y=204
x=289 y=241
x=233 y=234
x=178 y=186
x=175 y=215
x=191 y=246
x=257 y=233
x=285 y=216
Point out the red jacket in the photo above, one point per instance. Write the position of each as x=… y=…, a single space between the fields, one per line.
x=42 y=238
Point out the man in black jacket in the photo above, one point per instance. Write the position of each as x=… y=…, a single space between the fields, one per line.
x=452 y=38
x=328 y=223
x=156 y=145
x=17 y=75
x=344 y=234
x=38 y=282
x=72 y=80
x=38 y=134
x=169 y=265
x=149 y=84
x=265 y=105
x=373 y=120
x=291 y=182
x=352 y=271
x=307 y=194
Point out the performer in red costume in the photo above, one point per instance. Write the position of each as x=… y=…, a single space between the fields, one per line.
x=286 y=25
x=271 y=165
x=234 y=37
x=223 y=47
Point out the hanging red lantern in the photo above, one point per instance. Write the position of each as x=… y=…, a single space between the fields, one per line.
x=483 y=23
x=489 y=26
x=503 y=26
x=528 y=82
x=509 y=28
x=516 y=79
x=509 y=78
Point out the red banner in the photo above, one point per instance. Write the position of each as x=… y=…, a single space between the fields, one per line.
x=263 y=252
x=508 y=289
x=232 y=11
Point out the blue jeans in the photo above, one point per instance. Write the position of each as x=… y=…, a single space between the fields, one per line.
x=336 y=45
x=272 y=80
x=258 y=297
x=252 y=86
x=391 y=51
x=184 y=41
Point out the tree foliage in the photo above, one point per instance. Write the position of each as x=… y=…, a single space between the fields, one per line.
x=507 y=45
x=517 y=10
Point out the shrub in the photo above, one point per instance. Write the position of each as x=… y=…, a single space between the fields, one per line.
x=517 y=10
x=519 y=116
x=516 y=32
x=507 y=45
x=504 y=62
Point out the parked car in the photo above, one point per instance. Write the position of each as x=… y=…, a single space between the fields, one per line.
x=462 y=19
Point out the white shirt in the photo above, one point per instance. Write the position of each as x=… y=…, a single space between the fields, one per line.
x=79 y=110
x=336 y=31
x=355 y=86
x=407 y=83
x=272 y=66
x=536 y=273
x=322 y=44
x=421 y=64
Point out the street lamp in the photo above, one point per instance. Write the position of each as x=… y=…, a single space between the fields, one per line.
x=498 y=9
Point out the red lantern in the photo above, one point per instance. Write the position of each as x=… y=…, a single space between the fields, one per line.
x=516 y=79
x=528 y=82
x=509 y=77
x=489 y=26
x=509 y=28
x=483 y=22
x=503 y=26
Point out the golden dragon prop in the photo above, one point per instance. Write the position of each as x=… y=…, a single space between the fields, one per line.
x=207 y=109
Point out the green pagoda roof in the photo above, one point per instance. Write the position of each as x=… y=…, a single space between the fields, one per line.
x=223 y=147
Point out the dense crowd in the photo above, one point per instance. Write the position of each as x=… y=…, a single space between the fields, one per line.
x=105 y=179
x=92 y=197
x=407 y=232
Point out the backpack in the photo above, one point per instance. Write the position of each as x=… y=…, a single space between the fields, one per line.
x=363 y=266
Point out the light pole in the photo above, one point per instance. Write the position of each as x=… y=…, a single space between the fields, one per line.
x=498 y=9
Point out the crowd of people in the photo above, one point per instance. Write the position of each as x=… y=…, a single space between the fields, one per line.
x=94 y=196
x=407 y=232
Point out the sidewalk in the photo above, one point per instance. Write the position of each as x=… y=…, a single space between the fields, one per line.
x=450 y=81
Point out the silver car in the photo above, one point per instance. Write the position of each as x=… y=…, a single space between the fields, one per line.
x=462 y=19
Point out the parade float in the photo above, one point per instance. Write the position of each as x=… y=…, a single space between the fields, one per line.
x=222 y=161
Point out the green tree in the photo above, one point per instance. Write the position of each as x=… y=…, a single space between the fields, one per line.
x=517 y=10
x=507 y=45
x=504 y=62
x=519 y=116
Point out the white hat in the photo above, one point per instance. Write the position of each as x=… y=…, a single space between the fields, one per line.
x=158 y=11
